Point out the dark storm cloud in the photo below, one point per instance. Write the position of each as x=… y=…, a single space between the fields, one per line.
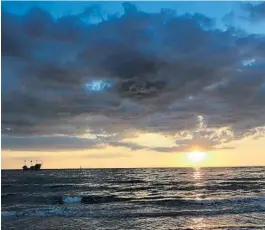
x=91 y=156
x=51 y=143
x=141 y=89
x=256 y=12
x=163 y=70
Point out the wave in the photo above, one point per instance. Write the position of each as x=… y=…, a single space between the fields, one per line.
x=135 y=189
x=8 y=213
x=6 y=185
x=159 y=200
x=5 y=195
x=242 y=183
x=242 y=179
x=103 y=199
x=134 y=181
x=34 y=199
x=72 y=199
x=92 y=199
x=218 y=187
x=62 y=186
x=176 y=202
x=84 y=212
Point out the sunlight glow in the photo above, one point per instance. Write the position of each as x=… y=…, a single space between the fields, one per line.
x=196 y=156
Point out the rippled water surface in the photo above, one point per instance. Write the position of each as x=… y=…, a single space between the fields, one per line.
x=168 y=198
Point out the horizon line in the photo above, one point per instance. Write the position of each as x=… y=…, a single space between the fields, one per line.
x=183 y=167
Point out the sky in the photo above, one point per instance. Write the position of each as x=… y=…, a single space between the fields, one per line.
x=133 y=84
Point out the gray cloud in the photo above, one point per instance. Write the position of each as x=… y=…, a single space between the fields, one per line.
x=168 y=149
x=162 y=71
x=128 y=145
x=256 y=12
x=52 y=143
x=29 y=159
x=108 y=155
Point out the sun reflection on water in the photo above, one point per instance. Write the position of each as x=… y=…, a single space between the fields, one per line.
x=198 y=177
x=197 y=174
x=198 y=223
x=199 y=194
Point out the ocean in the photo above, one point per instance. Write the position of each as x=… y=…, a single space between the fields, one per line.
x=146 y=198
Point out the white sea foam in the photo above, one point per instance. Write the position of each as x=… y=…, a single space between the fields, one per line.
x=8 y=213
x=72 y=199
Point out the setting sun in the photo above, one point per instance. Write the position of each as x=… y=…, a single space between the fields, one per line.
x=196 y=156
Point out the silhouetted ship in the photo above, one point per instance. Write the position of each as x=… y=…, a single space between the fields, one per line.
x=37 y=166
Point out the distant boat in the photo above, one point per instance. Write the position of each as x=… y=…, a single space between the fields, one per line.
x=35 y=167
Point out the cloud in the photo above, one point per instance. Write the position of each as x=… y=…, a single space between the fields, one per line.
x=108 y=155
x=162 y=71
x=51 y=143
x=167 y=149
x=256 y=12
x=33 y=159
x=128 y=145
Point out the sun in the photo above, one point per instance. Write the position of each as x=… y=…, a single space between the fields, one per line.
x=196 y=156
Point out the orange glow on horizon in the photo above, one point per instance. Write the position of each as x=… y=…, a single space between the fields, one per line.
x=243 y=153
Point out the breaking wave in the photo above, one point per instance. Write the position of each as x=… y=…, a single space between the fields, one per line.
x=169 y=201
x=72 y=199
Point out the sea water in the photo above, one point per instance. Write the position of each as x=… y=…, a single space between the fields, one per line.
x=147 y=198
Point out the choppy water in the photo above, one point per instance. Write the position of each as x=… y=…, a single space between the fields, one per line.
x=168 y=198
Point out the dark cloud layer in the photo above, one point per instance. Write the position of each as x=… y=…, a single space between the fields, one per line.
x=158 y=72
x=53 y=143
x=256 y=12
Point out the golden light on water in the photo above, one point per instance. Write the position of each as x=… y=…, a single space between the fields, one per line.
x=197 y=175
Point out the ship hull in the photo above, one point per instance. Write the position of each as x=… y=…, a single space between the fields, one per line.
x=36 y=167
